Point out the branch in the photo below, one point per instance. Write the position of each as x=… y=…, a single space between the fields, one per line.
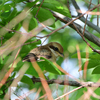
x=67 y=82
x=62 y=82
x=87 y=34
x=95 y=27
x=52 y=81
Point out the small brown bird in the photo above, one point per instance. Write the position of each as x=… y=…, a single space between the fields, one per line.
x=49 y=51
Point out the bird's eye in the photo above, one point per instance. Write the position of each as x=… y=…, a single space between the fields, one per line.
x=55 y=48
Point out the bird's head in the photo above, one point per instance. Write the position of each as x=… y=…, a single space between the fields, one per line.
x=56 y=48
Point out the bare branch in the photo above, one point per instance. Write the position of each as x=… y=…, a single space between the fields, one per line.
x=87 y=34
x=63 y=82
x=67 y=82
x=95 y=27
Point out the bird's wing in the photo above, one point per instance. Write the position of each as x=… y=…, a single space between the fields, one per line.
x=30 y=57
x=42 y=51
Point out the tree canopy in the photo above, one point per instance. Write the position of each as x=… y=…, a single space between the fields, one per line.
x=27 y=24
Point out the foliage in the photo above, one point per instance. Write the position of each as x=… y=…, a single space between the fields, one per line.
x=16 y=44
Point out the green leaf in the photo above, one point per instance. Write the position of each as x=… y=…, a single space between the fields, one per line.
x=92 y=64
x=43 y=14
x=59 y=61
x=91 y=55
x=94 y=56
x=27 y=80
x=96 y=70
x=6 y=10
x=31 y=71
x=83 y=55
x=26 y=48
x=17 y=1
x=1 y=5
x=1 y=66
x=17 y=27
x=1 y=2
x=6 y=14
x=8 y=35
x=1 y=92
x=44 y=65
x=19 y=65
x=92 y=60
x=56 y=6
x=32 y=24
x=31 y=4
x=3 y=60
x=49 y=66
x=13 y=14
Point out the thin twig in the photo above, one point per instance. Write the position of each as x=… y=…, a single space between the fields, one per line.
x=37 y=18
x=83 y=19
x=79 y=60
x=88 y=35
x=68 y=93
x=86 y=18
x=98 y=16
x=71 y=21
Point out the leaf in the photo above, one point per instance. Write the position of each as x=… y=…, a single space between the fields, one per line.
x=83 y=55
x=1 y=66
x=43 y=14
x=3 y=61
x=59 y=61
x=19 y=65
x=6 y=11
x=94 y=56
x=31 y=71
x=91 y=55
x=1 y=2
x=92 y=60
x=56 y=6
x=31 y=4
x=1 y=92
x=13 y=14
x=92 y=64
x=8 y=35
x=27 y=80
x=49 y=66
x=32 y=24
x=6 y=14
x=17 y=27
x=17 y=1
x=26 y=48
x=44 y=65
x=96 y=70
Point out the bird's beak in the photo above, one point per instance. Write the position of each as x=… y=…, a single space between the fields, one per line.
x=61 y=54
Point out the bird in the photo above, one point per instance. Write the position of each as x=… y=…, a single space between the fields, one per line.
x=50 y=51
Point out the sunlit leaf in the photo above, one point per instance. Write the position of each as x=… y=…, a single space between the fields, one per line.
x=43 y=14
x=56 y=6
x=49 y=66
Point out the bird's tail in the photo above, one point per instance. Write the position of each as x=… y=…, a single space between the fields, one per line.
x=30 y=57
